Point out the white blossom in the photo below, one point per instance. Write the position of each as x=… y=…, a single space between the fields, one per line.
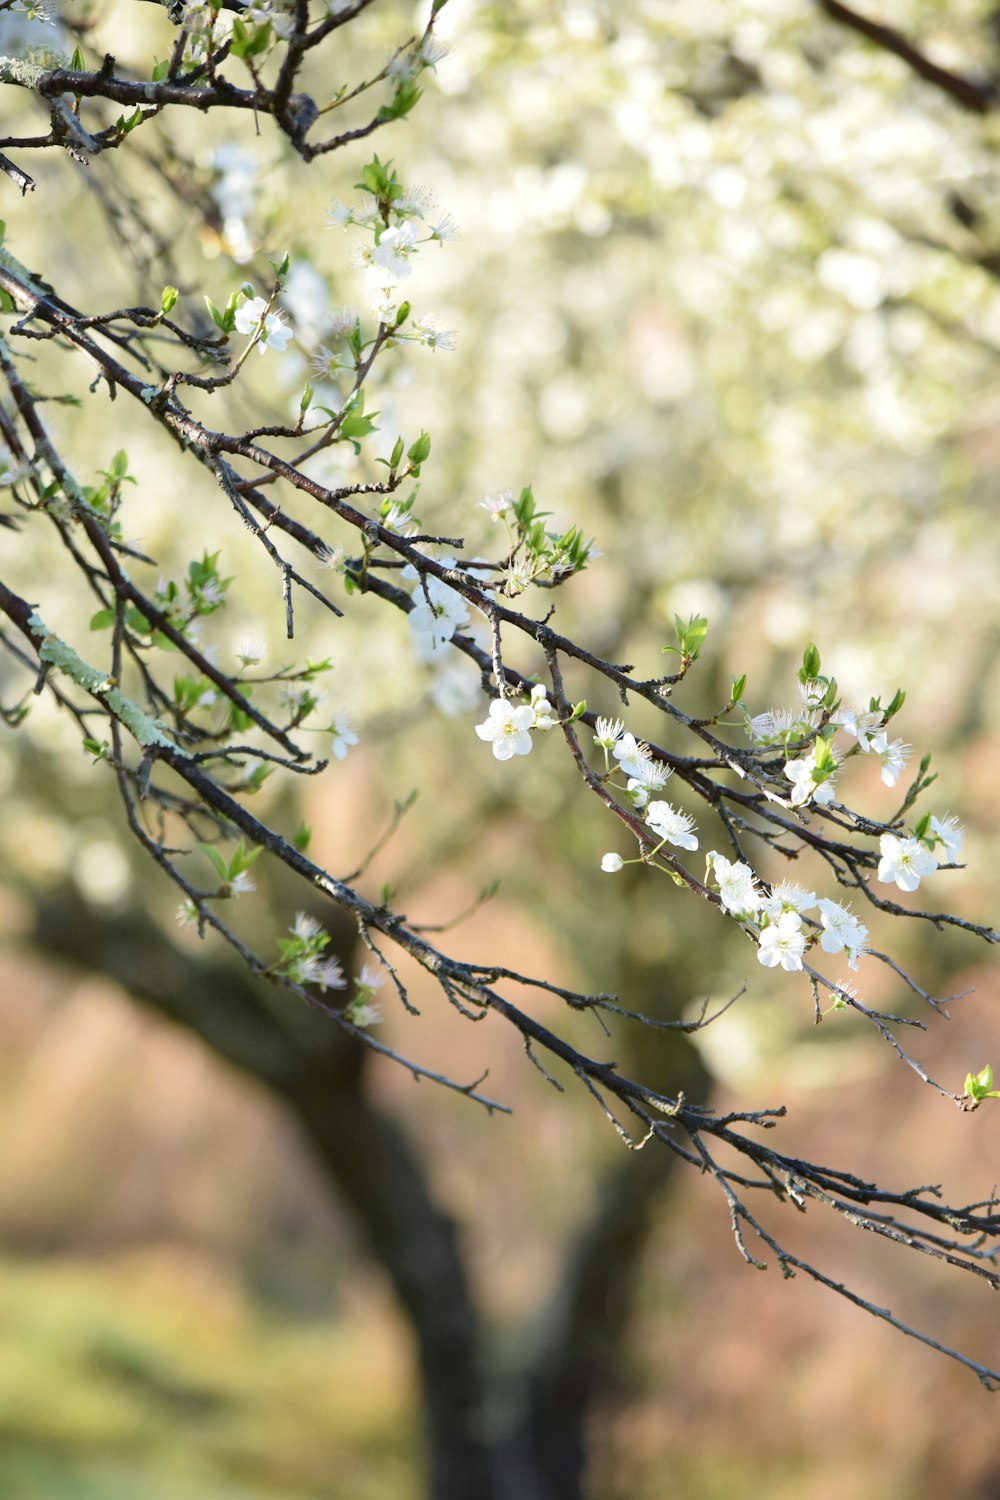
x=893 y=756
x=338 y=215
x=305 y=968
x=498 y=505
x=445 y=229
x=367 y=211
x=252 y=318
x=862 y=723
x=428 y=331
x=844 y=995
x=507 y=729
x=383 y=295
x=842 y=930
x=517 y=577
x=242 y=884
x=667 y=823
x=438 y=611
x=737 y=885
x=783 y=942
x=251 y=650
x=415 y=200
x=13 y=471
x=787 y=897
x=905 y=861
x=402 y=65
x=394 y=249
x=280 y=16
x=612 y=863
x=609 y=732
x=343 y=736
x=772 y=725
x=323 y=361
x=306 y=927
x=342 y=320
x=949 y=835
x=331 y=975
x=802 y=773
x=653 y=775
x=632 y=755
x=364 y=1013
x=433 y=49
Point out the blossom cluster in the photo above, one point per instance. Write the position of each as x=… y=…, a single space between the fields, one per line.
x=438 y=610
x=787 y=920
x=645 y=774
x=508 y=726
x=812 y=775
x=395 y=217
x=777 y=918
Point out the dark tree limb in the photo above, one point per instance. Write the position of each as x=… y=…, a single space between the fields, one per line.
x=319 y=1072
x=978 y=95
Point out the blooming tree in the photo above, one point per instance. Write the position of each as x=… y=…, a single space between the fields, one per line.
x=129 y=648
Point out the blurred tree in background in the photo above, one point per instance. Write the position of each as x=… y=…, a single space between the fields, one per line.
x=726 y=298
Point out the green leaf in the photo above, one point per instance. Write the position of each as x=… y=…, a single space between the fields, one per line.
x=127 y=126
x=418 y=451
x=357 y=424
x=980 y=1085
x=691 y=637
x=824 y=758
x=168 y=300
x=216 y=859
x=406 y=96
x=524 y=506
x=244 y=858
x=378 y=179
x=218 y=318
x=810 y=663
x=258 y=777
x=738 y=689
x=898 y=700
x=103 y=620
x=250 y=41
